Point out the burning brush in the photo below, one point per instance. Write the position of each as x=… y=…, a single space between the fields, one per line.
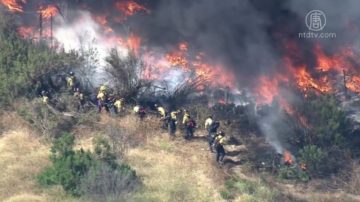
x=287 y=158
x=289 y=161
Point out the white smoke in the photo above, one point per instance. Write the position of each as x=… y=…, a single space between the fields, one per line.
x=268 y=128
x=85 y=33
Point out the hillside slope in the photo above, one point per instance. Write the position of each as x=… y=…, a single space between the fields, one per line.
x=171 y=169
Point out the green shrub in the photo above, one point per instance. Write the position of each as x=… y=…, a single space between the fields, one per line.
x=70 y=168
x=286 y=172
x=328 y=124
x=314 y=158
x=248 y=190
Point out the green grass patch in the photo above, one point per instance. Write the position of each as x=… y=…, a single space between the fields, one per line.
x=236 y=187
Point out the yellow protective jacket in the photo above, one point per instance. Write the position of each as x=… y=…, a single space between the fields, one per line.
x=208 y=122
x=45 y=99
x=101 y=96
x=71 y=81
x=118 y=104
x=186 y=118
x=136 y=109
x=220 y=140
x=161 y=111
x=173 y=115
x=102 y=89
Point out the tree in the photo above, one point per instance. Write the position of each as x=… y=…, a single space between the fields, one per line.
x=125 y=73
x=327 y=122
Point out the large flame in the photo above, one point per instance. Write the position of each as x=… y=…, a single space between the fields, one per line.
x=295 y=74
x=353 y=84
x=178 y=57
x=48 y=11
x=14 y=5
x=300 y=75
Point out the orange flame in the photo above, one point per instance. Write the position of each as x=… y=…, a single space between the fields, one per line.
x=129 y=8
x=133 y=43
x=25 y=32
x=48 y=11
x=287 y=158
x=354 y=84
x=213 y=74
x=306 y=82
x=337 y=62
x=102 y=21
x=14 y=5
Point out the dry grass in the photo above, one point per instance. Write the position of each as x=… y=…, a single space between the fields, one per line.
x=12 y=121
x=26 y=197
x=175 y=173
x=354 y=183
x=22 y=156
x=171 y=170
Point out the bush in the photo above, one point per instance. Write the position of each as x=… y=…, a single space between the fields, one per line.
x=48 y=121
x=118 y=139
x=70 y=168
x=293 y=173
x=314 y=158
x=103 y=183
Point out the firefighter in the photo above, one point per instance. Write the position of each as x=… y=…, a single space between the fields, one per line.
x=102 y=89
x=208 y=122
x=136 y=109
x=109 y=102
x=219 y=146
x=185 y=120
x=161 y=111
x=189 y=128
x=71 y=81
x=173 y=122
x=79 y=96
x=101 y=98
x=163 y=116
x=44 y=97
x=140 y=111
x=186 y=117
x=212 y=129
x=119 y=105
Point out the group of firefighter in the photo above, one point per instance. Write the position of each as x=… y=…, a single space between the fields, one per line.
x=216 y=140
